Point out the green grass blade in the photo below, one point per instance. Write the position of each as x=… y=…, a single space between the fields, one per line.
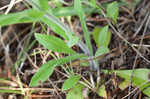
x=79 y=10
x=9 y=90
x=39 y=4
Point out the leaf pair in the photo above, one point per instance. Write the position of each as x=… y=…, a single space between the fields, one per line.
x=102 y=38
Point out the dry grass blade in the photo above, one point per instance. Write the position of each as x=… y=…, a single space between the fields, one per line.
x=10 y=6
x=6 y=6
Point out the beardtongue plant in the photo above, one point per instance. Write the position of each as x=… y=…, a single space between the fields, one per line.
x=101 y=36
x=41 y=12
x=57 y=45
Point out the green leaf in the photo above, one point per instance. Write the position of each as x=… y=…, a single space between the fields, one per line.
x=53 y=43
x=102 y=92
x=47 y=69
x=93 y=2
x=102 y=36
x=113 y=11
x=79 y=10
x=102 y=41
x=55 y=27
x=71 y=82
x=76 y=92
x=73 y=40
x=41 y=5
x=60 y=28
x=20 y=17
x=43 y=73
x=102 y=50
x=140 y=78
x=53 y=21
x=44 y=4
x=70 y=11
x=96 y=33
x=24 y=17
x=35 y=14
x=8 y=90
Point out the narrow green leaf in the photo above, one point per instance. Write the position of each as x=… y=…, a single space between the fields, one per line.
x=41 y=5
x=104 y=37
x=58 y=28
x=47 y=69
x=53 y=43
x=76 y=92
x=49 y=18
x=79 y=10
x=96 y=33
x=113 y=11
x=70 y=82
x=20 y=17
x=101 y=36
x=35 y=14
x=102 y=50
x=43 y=73
x=61 y=29
x=73 y=40
x=3 y=90
x=44 y=4
x=55 y=27
x=70 y=11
